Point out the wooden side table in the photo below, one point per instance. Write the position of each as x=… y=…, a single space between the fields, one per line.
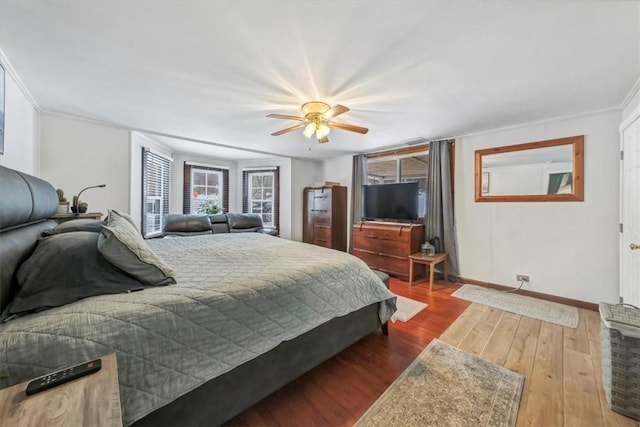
x=93 y=400
x=431 y=261
x=60 y=218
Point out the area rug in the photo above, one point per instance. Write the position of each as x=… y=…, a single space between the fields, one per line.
x=446 y=386
x=407 y=308
x=546 y=311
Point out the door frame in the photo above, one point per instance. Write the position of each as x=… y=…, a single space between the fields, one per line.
x=627 y=122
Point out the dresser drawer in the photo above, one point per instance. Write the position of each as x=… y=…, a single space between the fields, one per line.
x=385 y=246
x=322 y=235
x=398 y=266
x=396 y=233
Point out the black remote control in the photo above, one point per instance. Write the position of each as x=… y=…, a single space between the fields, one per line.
x=63 y=376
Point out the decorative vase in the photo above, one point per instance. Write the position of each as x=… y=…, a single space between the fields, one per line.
x=63 y=208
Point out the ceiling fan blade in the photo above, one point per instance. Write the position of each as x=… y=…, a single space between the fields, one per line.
x=284 y=116
x=323 y=140
x=336 y=110
x=351 y=128
x=291 y=129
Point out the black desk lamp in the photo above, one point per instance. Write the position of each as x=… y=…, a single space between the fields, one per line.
x=77 y=198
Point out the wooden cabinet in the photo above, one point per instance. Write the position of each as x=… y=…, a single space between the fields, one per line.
x=386 y=247
x=325 y=217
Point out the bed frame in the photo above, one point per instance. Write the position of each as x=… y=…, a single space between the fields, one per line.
x=26 y=204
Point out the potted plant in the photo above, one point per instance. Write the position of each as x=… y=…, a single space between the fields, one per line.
x=63 y=204
x=210 y=207
x=79 y=206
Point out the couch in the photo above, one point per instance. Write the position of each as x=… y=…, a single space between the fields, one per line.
x=194 y=225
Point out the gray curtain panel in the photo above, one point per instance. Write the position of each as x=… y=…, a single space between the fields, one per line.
x=439 y=220
x=359 y=178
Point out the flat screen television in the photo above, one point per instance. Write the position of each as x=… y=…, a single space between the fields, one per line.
x=397 y=202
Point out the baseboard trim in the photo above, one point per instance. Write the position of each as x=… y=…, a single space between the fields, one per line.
x=562 y=300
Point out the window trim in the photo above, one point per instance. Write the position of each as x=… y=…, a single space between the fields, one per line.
x=187 y=187
x=276 y=191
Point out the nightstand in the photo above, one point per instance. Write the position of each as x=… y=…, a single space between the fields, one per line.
x=431 y=261
x=93 y=400
x=60 y=218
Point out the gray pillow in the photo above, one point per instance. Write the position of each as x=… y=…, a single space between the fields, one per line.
x=65 y=268
x=76 y=225
x=123 y=246
x=123 y=216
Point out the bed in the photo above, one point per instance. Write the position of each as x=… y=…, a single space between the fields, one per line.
x=249 y=313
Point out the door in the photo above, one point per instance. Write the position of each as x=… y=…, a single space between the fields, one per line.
x=630 y=237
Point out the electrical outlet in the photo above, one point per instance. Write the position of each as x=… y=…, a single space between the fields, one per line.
x=522 y=278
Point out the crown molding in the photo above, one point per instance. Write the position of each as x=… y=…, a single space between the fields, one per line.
x=150 y=134
x=634 y=90
x=16 y=78
x=538 y=122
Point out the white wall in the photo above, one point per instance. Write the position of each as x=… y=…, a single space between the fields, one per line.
x=303 y=174
x=22 y=129
x=285 y=189
x=569 y=249
x=177 y=179
x=75 y=154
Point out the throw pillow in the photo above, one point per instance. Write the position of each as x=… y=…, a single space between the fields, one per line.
x=123 y=246
x=65 y=268
x=76 y=225
x=123 y=216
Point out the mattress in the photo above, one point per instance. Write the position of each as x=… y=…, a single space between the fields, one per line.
x=237 y=297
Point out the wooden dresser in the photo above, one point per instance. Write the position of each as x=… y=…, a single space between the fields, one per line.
x=386 y=246
x=324 y=220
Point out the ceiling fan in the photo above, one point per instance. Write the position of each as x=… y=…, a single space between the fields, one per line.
x=317 y=119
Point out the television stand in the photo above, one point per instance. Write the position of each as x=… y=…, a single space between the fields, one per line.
x=390 y=222
x=386 y=246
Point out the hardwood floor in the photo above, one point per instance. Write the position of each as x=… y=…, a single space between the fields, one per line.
x=561 y=366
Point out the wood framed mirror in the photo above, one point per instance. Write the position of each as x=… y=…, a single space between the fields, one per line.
x=543 y=171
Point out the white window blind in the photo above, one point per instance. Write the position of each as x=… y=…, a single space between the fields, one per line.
x=156 y=179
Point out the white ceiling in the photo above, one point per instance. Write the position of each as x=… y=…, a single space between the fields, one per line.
x=212 y=71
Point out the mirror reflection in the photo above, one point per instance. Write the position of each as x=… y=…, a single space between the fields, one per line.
x=538 y=171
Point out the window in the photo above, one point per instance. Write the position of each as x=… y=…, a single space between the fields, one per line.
x=261 y=194
x=205 y=184
x=156 y=177
x=389 y=168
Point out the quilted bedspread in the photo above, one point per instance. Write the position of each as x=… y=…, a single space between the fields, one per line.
x=238 y=296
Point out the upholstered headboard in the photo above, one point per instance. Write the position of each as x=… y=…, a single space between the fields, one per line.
x=25 y=204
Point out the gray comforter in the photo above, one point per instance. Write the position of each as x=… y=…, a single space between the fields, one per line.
x=238 y=296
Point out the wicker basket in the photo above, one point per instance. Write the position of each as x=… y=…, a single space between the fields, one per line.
x=620 y=337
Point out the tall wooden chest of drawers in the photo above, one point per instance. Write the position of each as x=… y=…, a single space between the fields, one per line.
x=386 y=247
x=324 y=220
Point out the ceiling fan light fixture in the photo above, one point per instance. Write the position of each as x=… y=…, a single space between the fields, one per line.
x=322 y=131
x=318 y=119
x=309 y=130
